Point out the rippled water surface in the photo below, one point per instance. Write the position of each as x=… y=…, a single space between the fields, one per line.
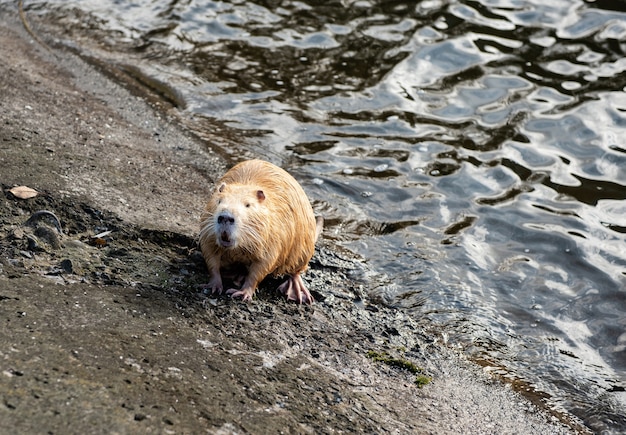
x=471 y=151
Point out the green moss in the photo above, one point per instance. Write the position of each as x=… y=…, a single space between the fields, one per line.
x=384 y=357
x=394 y=362
x=421 y=380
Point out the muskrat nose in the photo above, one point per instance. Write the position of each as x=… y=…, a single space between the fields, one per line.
x=225 y=218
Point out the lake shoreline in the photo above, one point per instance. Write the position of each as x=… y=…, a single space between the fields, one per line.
x=114 y=336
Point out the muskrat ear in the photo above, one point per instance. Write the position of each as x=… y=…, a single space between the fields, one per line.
x=260 y=195
x=221 y=188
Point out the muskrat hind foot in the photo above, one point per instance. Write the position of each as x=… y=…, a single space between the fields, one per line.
x=295 y=290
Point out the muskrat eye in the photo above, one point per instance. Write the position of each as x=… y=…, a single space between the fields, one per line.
x=247 y=204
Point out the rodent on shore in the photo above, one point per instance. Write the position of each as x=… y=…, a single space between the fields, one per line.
x=259 y=217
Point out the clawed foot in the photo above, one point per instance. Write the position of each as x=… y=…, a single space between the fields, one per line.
x=233 y=292
x=295 y=290
x=245 y=293
x=214 y=286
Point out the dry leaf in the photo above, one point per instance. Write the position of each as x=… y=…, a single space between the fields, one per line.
x=23 y=192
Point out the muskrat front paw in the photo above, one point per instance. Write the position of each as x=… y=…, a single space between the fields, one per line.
x=212 y=287
x=215 y=285
x=245 y=294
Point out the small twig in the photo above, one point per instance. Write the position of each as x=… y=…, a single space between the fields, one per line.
x=29 y=29
x=102 y=235
x=45 y=213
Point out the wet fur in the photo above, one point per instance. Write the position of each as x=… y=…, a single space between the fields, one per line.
x=275 y=235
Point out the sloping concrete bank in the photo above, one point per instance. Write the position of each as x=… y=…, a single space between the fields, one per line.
x=112 y=335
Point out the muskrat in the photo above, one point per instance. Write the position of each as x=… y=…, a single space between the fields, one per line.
x=259 y=217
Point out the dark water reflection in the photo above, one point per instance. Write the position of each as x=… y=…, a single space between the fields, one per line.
x=472 y=151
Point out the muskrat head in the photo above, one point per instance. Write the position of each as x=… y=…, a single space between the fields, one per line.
x=237 y=213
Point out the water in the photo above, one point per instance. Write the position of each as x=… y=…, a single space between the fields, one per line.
x=471 y=151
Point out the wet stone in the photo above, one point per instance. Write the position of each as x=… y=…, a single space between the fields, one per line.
x=67 y=266
x=47 y=237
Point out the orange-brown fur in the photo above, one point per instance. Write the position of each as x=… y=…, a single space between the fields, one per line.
x=273 y=230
